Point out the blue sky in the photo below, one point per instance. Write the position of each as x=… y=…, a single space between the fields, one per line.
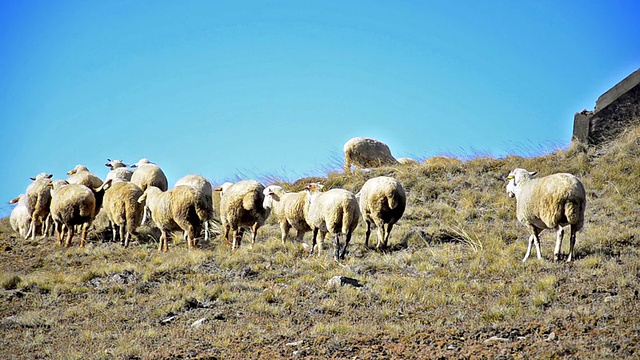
x=253 y=88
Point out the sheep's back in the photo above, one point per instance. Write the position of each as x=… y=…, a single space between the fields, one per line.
x=121 y=202
x=150 y=175
x=294 y=210
x=73 y=204
x=367 y=153
x=242 y=203
x=544 y=201
x=334 y=209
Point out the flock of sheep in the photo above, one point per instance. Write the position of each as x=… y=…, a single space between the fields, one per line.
x=127 y=196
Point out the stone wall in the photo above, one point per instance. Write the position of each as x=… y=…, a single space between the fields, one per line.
x=615 y=111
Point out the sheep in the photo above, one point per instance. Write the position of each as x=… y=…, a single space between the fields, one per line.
x=241 y=205
x=288 y=208
x=148 y=174
x=72 y=205
x=178 y=208
x=335 y=211
x=20 y=217
x=38 y=201
x=118 y=170
x=551 y=202
x=366 y=153
x=123 y=209
x=81 y=175
x=205 y=190
x=382 y=202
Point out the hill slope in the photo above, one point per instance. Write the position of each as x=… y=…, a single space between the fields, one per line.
x=453 y=285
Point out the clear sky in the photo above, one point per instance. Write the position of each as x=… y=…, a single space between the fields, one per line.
x=254 y=88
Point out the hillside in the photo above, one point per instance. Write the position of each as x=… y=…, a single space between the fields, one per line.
x=453 y=285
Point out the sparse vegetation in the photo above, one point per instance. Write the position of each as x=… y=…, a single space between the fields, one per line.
x=452 y=284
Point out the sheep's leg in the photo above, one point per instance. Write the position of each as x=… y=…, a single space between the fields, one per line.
x=536 y=242
x=367 y=234
x=126 y=239
x=336 y=245
x=191 y=234
x=30 y=230
x=254 y=233
x=59 y=232
x=162 y=238
x=144 y=216
x=69 y=233
x=556 y=251
x=387 y=234
x=299 y=236
x=526 y=256
x=343 y=253
x=323 y=234
x=234 y=241
x=206 y=230
x=123 y=235
x=313 y=241
x=284 y=230
x=83 y=238
x=572 y=242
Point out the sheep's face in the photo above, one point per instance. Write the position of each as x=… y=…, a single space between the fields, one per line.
x=516 y=177
x=270 y=195
x=313 y=189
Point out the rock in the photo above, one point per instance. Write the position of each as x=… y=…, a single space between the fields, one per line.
x=551 y=337
x=295 y=343
x=337 y=281
x=167 y=320
x=199 y=323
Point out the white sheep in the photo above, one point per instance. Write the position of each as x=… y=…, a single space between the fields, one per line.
x=118 y=170
x=81 y=175
x=20 y=217
x=148 y=174
x=241 y=204
x=38 y=201
x=366 y=153
x=382 y=202
x=178 y=208
x=288 y=209
x=72 y=205
x=335 y=211
x=205 y=191
x=123 y=209
x=551 y=202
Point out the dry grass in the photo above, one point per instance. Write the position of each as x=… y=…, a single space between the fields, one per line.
x=453 y=285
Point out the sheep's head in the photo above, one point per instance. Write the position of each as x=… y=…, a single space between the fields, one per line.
x=271 y=193
x=42 y=176
x=516 y=178
x=76 y=169
x=223 y=188
x=114 y=164
x=313 y=189
x=143 y=161
x=20 y=197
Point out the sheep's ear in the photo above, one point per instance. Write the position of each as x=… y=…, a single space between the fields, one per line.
x=32 y=178
x=219 y=188
x=510 y=177
x=49 y=176
x=109 y=160
x=13 y=201
x=533 y=173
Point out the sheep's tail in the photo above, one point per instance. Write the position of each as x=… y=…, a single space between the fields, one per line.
x=574 y=210
x=204 y=208
x=393 y=200
x=350 y=216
